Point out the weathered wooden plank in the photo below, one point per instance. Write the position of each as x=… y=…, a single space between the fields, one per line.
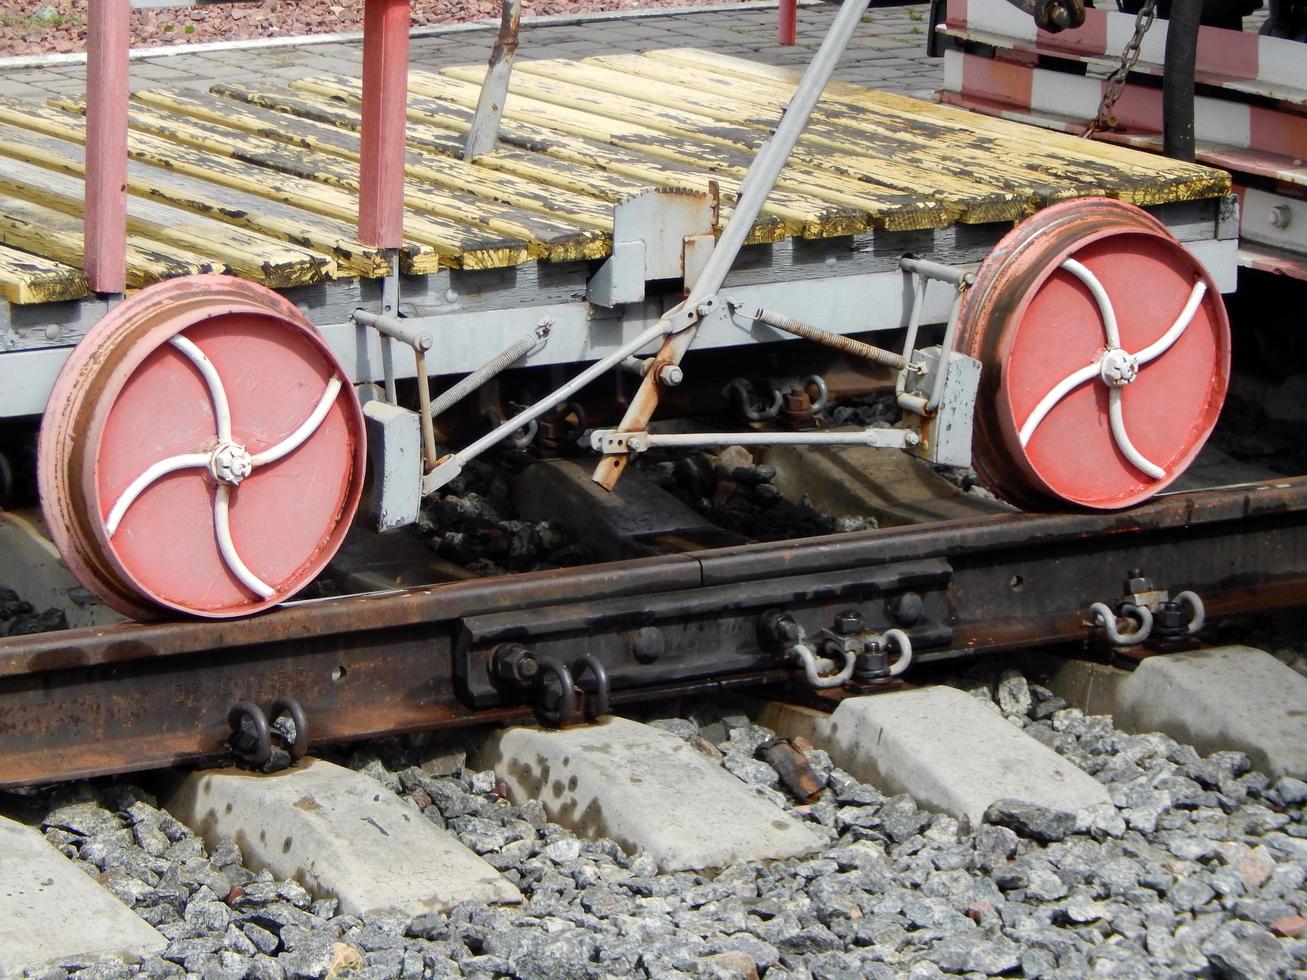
x=1187 y=181
x=222 y=203
x=577 y=207
x=28 y=278
x=812 y=171
x=831 y=176
x=874 y=132
x=251 y=256
x=634 y=156
x=548 y=237
x=55 y=235
x=588 y=169
x=455 y=243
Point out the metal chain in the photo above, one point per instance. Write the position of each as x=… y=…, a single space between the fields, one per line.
x=1106 y=118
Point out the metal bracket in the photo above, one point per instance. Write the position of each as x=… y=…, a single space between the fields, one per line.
x=692 y=633
x=662 y=233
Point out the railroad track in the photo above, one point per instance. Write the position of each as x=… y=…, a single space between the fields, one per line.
x=700 y=842
x=129 y=697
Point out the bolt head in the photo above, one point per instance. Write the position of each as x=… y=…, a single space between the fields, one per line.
x=648 y=644
x=907 y=609
x=1118 y=367
x=849 y=621
x=230 y=463
x=670 y=375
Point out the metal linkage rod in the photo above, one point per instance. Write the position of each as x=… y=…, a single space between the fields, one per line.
x=450 y=466
x=807 y=331
x=490 y=369
x=754 y=189
x=951 y=274
x=395 y=327
x=484 y=133
x=612 y=441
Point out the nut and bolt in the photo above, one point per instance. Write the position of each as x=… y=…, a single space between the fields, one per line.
x=798 y=402
x=1280 y=216
x=514 y=664
x=670 y=375
x=849 y=621
x=778 y=629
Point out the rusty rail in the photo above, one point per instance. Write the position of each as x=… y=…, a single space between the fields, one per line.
x=133 y=697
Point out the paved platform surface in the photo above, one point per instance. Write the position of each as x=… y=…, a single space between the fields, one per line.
x=889 y=52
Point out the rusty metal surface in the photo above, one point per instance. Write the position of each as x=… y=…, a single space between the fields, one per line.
x=133 y=697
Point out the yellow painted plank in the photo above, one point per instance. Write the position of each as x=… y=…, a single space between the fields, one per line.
x=871 y=132
x=547 y=237
x=455 y=243
x=611 y=104
x=586 y=169
x=887 y=207
x=811 y=171
x=58 y=236
x=577 y=207
x=278 y=220
x=26 y=278
x=1187 y=181
x=251 y=256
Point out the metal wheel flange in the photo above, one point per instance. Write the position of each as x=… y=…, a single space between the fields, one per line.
x=1106 y=355
x=202 y=451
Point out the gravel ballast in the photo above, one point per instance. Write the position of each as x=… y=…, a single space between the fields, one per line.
x=1198 y=871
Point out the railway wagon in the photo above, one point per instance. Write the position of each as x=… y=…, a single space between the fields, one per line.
x=208 y=380
x=1185 y=77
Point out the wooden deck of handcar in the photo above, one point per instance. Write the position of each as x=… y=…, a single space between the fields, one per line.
x=261 y=182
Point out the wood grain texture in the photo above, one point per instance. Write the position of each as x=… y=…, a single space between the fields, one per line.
x=265 y=181
x=26 y=278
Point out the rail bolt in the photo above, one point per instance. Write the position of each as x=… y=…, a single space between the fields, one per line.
x=515 y=664
x=907 y=609
x=648 y=644
x=778 y=630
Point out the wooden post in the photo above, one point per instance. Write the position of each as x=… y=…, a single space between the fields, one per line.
x=787 y=21
x=385 y=117
x=107 y=58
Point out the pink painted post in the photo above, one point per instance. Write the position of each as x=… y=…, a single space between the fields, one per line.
x=107 y=47
x=787 y=21
x=385 y=115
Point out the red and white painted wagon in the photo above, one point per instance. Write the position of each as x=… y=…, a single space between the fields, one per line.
x=204 y=444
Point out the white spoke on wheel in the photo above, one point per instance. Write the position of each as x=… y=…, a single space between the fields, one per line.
x=228 y=463
x=1123 y=439
x=1115 y=367
x=1105 y=309
x=134 y=489
x=306 y=429
x=221 y=410
x=227 y=547
x=1060 y=390
x=1163 y=343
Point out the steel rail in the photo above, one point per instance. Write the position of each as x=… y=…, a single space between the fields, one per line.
x=145 y=696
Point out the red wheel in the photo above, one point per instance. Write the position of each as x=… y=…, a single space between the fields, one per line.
x=202 y=451
x=1105 y=353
